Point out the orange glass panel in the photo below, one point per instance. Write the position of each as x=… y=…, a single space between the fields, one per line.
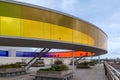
x=68 y=54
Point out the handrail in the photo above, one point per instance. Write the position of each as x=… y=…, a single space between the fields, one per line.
x=78 y=59
x=111 y=72
x=37 y=56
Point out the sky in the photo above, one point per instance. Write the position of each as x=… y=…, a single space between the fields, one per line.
x=103 y=13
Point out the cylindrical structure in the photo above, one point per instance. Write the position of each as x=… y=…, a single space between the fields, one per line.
x=29 y=25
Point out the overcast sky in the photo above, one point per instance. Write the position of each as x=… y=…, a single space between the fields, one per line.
x=103 y=13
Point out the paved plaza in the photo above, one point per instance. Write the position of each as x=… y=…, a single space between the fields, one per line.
x=95 y=73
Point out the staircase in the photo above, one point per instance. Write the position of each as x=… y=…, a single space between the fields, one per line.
x=79 y=60
x=37 y=56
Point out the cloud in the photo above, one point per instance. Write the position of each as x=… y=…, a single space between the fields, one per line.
x=110 y=25
x=68 y=4
x=109 y=56
x=114 y=44
x=45 y=3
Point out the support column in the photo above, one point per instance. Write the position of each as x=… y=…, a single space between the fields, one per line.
x=91 y=58
x=51 y=61
x=12 y=52
x=73 y=60
x=99 y=59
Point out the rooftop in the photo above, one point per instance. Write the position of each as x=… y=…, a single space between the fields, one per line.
x=95 y=73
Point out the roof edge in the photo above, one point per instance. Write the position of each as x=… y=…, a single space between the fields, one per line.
x=48 y=9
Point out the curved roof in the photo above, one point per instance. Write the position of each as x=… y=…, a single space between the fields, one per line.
x=48 y=9
x=34 y=42
x=24 y=42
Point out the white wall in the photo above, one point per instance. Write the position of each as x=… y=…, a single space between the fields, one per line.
x=9 y=60
x=47 y=61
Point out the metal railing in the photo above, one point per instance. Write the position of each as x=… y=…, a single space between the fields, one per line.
x=80 y=59
x=111 y=72
x=37 y=56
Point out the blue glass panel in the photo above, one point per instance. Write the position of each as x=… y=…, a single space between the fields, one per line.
x=28 y=54
x=4 y=53
x=25 y=54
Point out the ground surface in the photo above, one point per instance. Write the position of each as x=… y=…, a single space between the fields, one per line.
x=95 y=73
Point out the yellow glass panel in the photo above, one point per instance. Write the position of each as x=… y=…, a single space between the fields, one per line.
x=84 y=38
x=76 y=36
x=91 y=41
x=79 y=37
x=66 y=34
x=33 y=29
x=101 y=38
x=10 y=26
x=0 y=25
x=47 y=30
x=55 y=32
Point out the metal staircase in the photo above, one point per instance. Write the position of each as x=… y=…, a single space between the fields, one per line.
x=37 y=56
x=80 y=59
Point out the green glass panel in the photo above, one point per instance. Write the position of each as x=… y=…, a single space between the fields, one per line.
x=9 y=10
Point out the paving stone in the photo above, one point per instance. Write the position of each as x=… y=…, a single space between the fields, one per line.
x=95 y=73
